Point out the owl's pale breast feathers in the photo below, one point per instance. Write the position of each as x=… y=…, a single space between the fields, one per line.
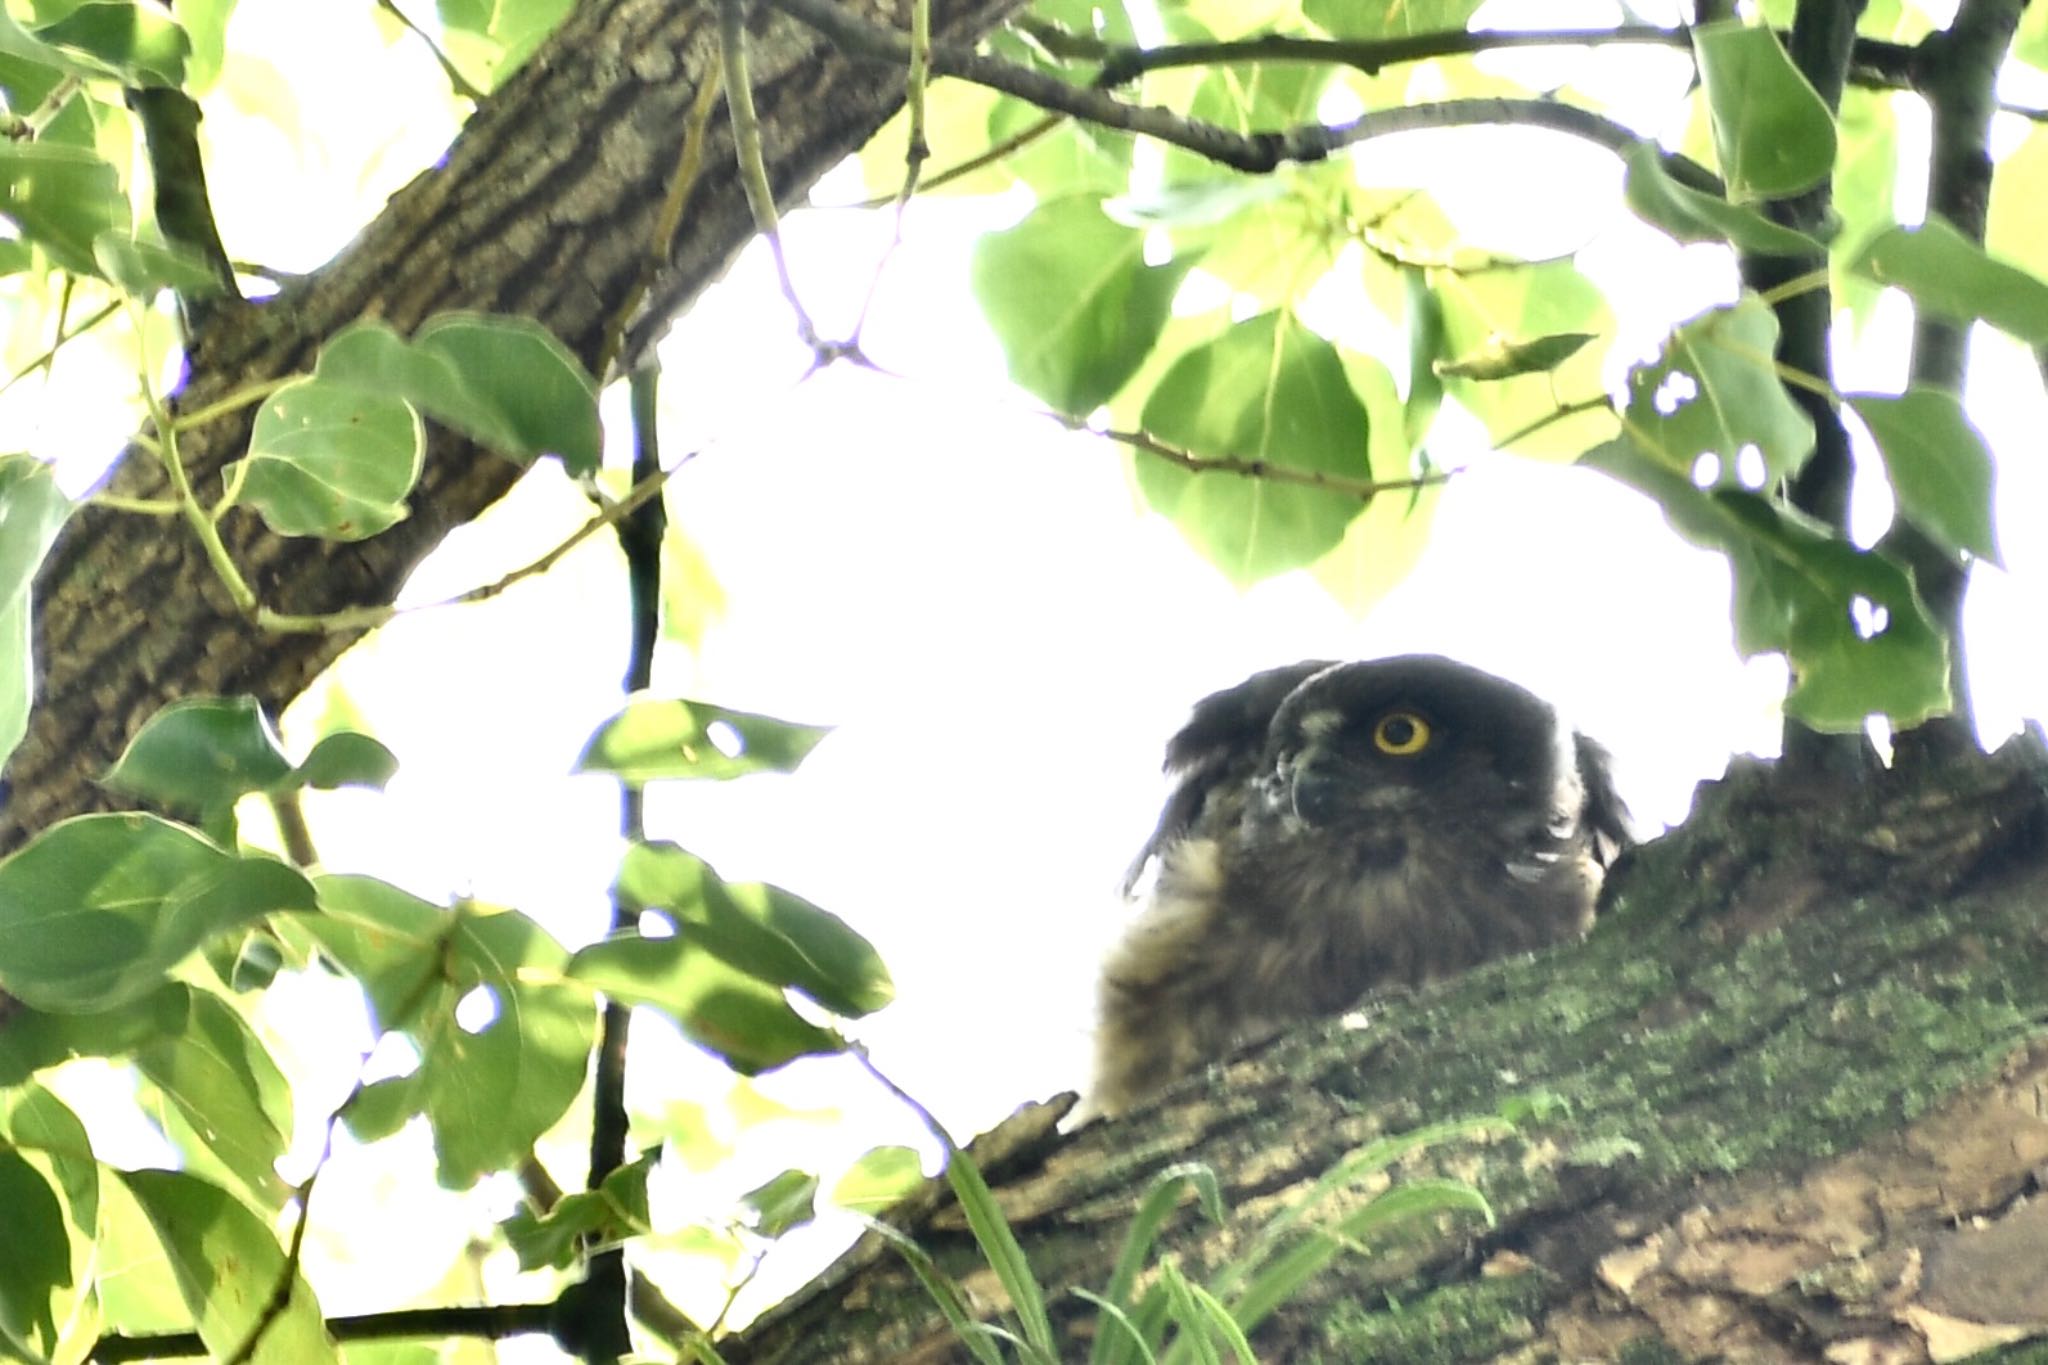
x=1338 y=827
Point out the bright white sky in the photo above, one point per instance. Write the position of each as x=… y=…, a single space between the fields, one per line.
x=973 y=596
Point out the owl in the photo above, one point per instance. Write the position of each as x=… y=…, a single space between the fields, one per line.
x=1339 y=827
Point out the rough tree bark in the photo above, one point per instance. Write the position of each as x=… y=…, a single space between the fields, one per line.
x=545 y=206
x=1803 y=1061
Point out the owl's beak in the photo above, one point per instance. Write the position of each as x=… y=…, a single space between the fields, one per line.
x=1318 y=794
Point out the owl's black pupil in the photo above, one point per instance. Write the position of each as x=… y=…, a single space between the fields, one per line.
x=1397 y=731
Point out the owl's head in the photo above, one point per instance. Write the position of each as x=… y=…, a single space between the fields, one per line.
x=1370 y=752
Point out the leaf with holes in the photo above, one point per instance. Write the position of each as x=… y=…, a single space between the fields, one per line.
x=1800 y=591
x=1938 y=463
x=1772 y=132
x=490 y=1088
x=1715 y=390
x=1949 y=275
x=97 y=910
x=1267 y=391
x=1070 y=297
x=332 y=461
x=228 y=1265
x=653 y=739
x=760 y=929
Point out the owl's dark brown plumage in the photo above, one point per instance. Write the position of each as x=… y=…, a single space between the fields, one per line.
x=1336 y=827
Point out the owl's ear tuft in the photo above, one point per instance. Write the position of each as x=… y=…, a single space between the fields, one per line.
x=1605 y=814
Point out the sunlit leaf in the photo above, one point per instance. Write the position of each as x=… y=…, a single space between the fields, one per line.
x=487 y=1090
x=332 y=461
x=604 y=1217
x=61 y=198
x=1939 y=466
x=228 y=1267
x=1692 y=215
x=49 y=1187
x=1506 y=357
x=1772 y=131
x=758 y=928
x=523 y=374
x=32 y=510
x=206 y=23
x=505 y=382
x=743 y=1019
x=140 y=268
x=1952 y=277
x=787 y=1201
x=96 y=910
x=1268 y=391
x=1797 y=592
x=653 y=739
x=881 y=1177
x=139 y=42
x=1551 y=299
x=200 y=754
x=229 y=1090
x=346 y=759
x=1715 y=390
x=1348 y=19
x=1069 y=295
x=692 y=597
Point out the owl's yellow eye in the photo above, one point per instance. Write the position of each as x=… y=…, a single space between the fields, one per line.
x=1401 y=733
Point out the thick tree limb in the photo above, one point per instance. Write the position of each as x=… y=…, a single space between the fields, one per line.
x=1797 y=1063
x=543 y=206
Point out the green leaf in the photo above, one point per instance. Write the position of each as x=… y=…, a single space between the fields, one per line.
x=1797 y=591
x=488 y=1091
x=652 y=739
x=1691 y=215
x=49 y=1185
x=1715 y=390
x=1939 y=466
x=137 y=42
x=743 y=1019
x=96 y=910
x=346 y=759
x=1506 y=357
x=1267 y=390
x=522 y=374
x=61 y=198
x=32 y=510
x=140 y=268
x=201 y=754
x=1482 y=308
x=229 y=1090
x=787 y=1201
x=760 y=929
x=1349 y=19
x=1201 y=203
x=606 y=1216
x=228 y=1267
x=1070 y=297
x=332 y=461
x=1772 y=131
x=1163 y=1194
x=1000 y=1248
x=206 y=24
x=504 y=382
x=1951 y=276
x=882 y=1177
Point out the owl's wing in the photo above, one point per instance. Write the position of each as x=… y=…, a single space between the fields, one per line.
x=1213 y=759
x=1605 y=814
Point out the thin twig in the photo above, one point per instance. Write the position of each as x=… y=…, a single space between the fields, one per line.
x=1254 y=152
x=746 y=137
x=689 y=163
x=48 y=358
x=1365 y=490
x=460 y=82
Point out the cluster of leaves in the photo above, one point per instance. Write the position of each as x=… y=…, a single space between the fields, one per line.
x=137 y=938
x=1280 y=435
